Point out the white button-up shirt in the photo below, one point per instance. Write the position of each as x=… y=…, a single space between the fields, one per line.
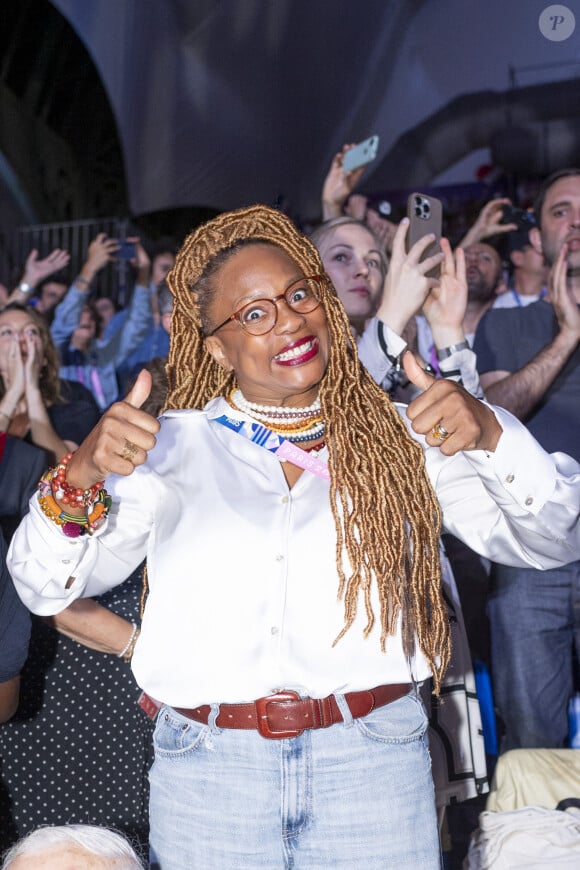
x=242 y=570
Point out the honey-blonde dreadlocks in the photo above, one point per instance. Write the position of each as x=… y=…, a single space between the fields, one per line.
x=386 y=514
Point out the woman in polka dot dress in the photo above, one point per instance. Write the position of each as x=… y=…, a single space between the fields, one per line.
x=79 y=748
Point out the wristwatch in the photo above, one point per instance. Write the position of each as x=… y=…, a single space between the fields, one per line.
x=24 y=287
x=444 y=352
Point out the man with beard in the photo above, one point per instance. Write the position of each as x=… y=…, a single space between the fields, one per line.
x=483 y=270
x=529 y=363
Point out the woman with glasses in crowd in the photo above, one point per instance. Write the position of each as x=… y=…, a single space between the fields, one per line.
x=290 y=516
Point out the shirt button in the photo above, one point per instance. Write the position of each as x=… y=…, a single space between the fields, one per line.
x=284 y=499
x=529 y=500
x=510 y=478
x=66 y=561
x=273 y=630
x=279 y=557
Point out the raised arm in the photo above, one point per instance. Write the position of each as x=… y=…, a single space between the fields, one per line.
x=444 y=307
x=338 y=185
x=444 y=310
x=139 y=318
x=405 y=289
x=488 y=223
x=407 y=284
x=119 y=442
x=519 y=392
x=36 y=270
x=41 y=429
x=53 y=564
x=67 y=315
x=448 y=416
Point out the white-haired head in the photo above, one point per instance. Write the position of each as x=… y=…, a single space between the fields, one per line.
x=74 y=846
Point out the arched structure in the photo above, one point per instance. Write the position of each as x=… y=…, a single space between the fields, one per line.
x=219 y=103
x=60 y=153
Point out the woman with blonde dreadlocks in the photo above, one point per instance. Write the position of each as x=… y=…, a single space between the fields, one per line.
x=290 y=518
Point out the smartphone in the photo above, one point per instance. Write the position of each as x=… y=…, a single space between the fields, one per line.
x=425 y=215
x=525 y=220
x=361 y=154
x=126 y=251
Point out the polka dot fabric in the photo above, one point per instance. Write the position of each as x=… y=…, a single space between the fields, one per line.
x=79 y=749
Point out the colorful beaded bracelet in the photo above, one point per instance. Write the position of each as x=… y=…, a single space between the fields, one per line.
x=67 y=494
x=72 y=526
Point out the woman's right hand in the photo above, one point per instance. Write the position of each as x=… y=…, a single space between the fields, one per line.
x=562 y=298
x=338 y=185
x=119 y=442
x=446 y=304
x=406 y=284
x=488 y=223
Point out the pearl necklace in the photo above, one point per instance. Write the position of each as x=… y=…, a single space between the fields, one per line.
x=275 y=413
x=298 y=425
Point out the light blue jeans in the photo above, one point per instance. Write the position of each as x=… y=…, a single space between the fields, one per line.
x=357 y=794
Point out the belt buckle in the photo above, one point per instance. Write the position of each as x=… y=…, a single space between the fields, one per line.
x=262 y=715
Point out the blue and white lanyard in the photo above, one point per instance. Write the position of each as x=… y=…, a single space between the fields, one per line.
x=281 y=447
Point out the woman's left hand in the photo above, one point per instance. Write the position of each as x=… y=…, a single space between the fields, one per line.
x=444 y=307
x=33 y=364
x=446 y=407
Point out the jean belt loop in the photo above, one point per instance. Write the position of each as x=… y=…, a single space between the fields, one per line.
x=345 y=710
x=211 y=719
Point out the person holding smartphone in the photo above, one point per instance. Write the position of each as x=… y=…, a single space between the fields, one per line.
x=338 y=199
x=381 y=304
x=86 y=358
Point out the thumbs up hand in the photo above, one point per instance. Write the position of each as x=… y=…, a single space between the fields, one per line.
x=447 y=415
x=119 y=442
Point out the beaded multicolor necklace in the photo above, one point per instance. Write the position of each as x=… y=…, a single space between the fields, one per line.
x=298 y=425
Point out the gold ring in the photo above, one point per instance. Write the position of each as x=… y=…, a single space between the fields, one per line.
x=129 y=450
x=439 y=432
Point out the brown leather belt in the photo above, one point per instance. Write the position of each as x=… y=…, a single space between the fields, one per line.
x=286 y=714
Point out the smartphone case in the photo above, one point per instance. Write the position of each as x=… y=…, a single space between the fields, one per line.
x=361 y=154
x=425 y=215
x=126 y=251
